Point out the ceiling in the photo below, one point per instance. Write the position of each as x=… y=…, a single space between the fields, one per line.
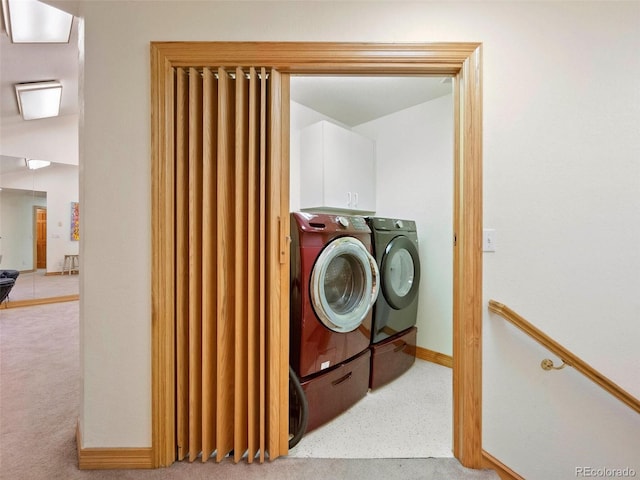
x=354 y=100
x=348 y=99
x=36 y=62
x=10 y=164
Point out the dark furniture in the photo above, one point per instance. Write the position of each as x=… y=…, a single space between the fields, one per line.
x=7 y=281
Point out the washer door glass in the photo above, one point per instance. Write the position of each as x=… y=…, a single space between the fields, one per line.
x=400 y=272
x=344 y=284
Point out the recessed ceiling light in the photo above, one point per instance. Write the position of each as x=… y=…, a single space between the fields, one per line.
x=39 y=99
x=31 y=21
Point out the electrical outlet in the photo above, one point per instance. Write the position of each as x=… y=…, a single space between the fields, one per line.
x=488 y=240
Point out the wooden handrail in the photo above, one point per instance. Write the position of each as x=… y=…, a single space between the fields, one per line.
x=567 y=357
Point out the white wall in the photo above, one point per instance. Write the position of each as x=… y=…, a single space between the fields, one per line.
x=16 y=228
x=59 y=182
x=54 y=139
x=61 y=185
x=414 y=161
x=414 y=158
x=562 y=177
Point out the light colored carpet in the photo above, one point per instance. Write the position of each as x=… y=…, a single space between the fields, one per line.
x=39 y=392
x=38 y=285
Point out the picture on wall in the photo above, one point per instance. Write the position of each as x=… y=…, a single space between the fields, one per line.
x=75 y=221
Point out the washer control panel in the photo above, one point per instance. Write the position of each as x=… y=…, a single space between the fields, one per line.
x=343 y=221
x=359 y=223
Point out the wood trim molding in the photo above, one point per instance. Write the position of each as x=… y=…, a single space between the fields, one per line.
x=40 y=301
x=463 y=61
x=322 y=57
x=565 y=355
x=467 y=263
x=504 y=472
x=162 y=267
x=434 y=357
x=112 y=458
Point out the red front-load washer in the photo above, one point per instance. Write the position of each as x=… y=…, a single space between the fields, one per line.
x=334 y=284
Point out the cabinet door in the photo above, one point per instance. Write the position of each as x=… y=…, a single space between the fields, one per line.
x=337 y=169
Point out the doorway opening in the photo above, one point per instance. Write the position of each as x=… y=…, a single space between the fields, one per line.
x=409 y=119
x=462 y=61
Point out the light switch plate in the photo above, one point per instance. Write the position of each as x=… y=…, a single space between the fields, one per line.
x=488 y=240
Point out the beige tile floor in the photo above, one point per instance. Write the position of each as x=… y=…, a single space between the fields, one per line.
x=410 y=417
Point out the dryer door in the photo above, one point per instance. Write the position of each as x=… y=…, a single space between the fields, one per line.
x=344 y=284
x=400 y=270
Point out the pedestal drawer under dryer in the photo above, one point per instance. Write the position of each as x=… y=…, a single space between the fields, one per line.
x=392 y=357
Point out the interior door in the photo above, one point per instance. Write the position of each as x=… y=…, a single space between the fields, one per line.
x=41 y=237
x=224 y=230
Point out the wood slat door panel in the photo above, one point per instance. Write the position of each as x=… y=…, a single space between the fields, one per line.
x=195 y=264
x=209 y=260
x=182 y=260
x=225 y=267
x=241 y=264
x=254 y=279
x=228 y=265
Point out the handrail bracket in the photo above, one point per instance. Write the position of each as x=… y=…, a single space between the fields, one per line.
x=547 y=364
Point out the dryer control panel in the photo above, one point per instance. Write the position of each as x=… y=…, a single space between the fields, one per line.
x=388 y=224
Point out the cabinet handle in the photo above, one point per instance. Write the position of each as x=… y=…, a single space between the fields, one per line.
x=400 y=347
x=355 y=199
x=348 y=199
x=342 y=379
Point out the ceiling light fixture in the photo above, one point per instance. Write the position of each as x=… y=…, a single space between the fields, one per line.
x=39 y=99
x=36 y=164
x=31 y=21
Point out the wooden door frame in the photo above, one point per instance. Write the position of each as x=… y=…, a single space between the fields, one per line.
x=462 y=61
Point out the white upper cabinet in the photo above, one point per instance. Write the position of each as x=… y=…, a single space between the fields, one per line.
x=337 y=169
